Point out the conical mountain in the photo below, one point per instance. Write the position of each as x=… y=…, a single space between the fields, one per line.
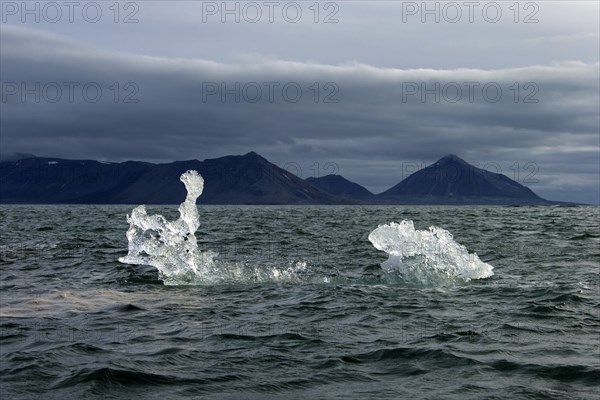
x=453 y=180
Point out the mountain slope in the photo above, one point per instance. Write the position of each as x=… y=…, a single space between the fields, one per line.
x=337 y=185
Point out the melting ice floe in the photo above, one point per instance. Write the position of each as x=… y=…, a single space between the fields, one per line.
x=171 y=247
x=426 y=256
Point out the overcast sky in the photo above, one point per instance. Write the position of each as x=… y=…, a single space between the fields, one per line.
x=369 y=90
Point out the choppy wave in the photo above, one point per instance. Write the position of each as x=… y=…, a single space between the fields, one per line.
x=74 y=323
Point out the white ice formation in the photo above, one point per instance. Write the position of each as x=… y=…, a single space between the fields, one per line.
x=429 y=257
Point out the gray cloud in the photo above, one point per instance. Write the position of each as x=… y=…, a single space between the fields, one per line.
x=377 y=129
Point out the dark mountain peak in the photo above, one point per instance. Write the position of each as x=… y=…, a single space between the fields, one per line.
x=253 y=157
x=253 y=154
x=452 y=159
x=238 y=162
x=337 y=185
x=453 y=180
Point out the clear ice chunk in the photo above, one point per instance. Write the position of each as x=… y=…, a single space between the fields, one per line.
x=170 y=246
x=427 y=257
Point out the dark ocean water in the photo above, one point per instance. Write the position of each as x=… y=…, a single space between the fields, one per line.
x=75 y=323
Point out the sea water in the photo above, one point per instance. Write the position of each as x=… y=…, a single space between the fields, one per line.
x=307 y=307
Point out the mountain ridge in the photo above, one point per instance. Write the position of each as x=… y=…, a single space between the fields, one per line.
x=239 y=179
x=245 y=179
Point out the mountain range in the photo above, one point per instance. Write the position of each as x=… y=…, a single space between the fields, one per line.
x=247 y=179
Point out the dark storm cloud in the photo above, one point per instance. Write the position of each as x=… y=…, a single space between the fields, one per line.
x=367 y=120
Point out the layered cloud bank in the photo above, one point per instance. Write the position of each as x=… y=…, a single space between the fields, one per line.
x=67 y=99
